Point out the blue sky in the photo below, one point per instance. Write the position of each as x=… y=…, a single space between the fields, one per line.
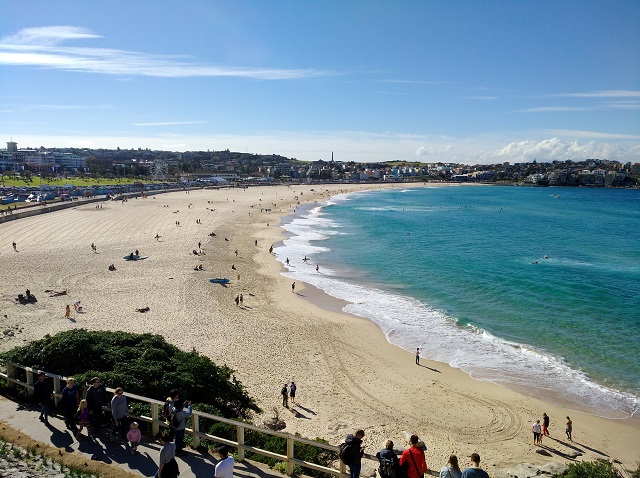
x=464 y=81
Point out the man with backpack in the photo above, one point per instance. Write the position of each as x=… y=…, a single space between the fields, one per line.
x=167 y=414
x=389 y=463
x=351 y=452
x=285 y=396
x=413 y=460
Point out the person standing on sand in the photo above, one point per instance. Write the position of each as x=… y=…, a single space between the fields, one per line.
x=545 y=424
x=414 y=457
x=241 y=300
x=14 y=246
x=293 y=287
x=537 y=430
x=569 y=428
x=418 y=356
x=292 y=392
x=237 y=300
x=285 y=396
x=474 y=471
x=67 y=313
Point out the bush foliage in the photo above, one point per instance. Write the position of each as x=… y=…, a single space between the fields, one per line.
x=591 y=469
x=142 y=364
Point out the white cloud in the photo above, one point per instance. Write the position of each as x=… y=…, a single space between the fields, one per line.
x=40 y=47
x=483 y=98
x=48 y=35
x=604 y=94
x=430 y=150
x=555 y=149
x=167 y=123
x=546 y=109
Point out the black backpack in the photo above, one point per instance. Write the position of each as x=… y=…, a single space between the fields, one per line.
x=387 y=467
x=349 y=453
x=175 y=421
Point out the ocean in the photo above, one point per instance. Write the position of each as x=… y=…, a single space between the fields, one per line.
x=535 y=289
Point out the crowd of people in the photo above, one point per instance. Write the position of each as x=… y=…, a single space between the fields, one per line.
x=86 y=411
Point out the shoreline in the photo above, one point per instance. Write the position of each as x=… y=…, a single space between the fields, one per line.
x=335 y=300
x=349 y=376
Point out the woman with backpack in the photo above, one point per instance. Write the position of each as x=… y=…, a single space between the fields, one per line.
x=389 y=463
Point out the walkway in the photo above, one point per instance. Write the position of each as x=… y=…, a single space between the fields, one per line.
x=194 y=464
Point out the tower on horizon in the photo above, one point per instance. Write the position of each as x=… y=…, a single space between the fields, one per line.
x=12 y=147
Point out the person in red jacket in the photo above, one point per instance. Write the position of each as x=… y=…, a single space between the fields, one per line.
x=413 y=460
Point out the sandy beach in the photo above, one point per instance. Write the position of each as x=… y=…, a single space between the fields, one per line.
x=348 y=375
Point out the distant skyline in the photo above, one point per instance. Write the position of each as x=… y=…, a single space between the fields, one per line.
x=454 y=81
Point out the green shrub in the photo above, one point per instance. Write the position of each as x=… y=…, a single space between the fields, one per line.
x=591 y=469
x=143 y=364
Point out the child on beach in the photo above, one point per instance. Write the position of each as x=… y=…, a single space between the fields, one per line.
x=134 y=436
x=82 y=416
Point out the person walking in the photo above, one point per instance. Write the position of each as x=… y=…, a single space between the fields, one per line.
x=474 y=471
x=414 y=458
x=389 y=465
x=134 y=436
x=285 y=396
x=67 y=313
x=179 y=422
x=224 y=468
x=69 y=401
x=167 y=464
x=569 y=428
x=96 y=397
x=120 y=413
x=293 y=287
x=43 y=393
x=352 y=451
x=451 y=469
x=418 y=356
x=545 y=424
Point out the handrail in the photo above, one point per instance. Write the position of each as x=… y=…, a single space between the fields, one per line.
x=9 y=374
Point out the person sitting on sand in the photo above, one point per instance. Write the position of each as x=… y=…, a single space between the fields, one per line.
x=112 y=267
x=137 y=253
x=131 y=256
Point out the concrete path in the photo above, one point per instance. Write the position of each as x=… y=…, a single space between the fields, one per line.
x=195 y=464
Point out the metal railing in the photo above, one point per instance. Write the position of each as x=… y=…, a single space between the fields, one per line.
x=11 y=371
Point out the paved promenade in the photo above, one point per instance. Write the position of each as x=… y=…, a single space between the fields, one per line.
x=144 y=463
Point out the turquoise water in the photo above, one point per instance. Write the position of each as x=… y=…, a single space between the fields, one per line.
x=461 y=272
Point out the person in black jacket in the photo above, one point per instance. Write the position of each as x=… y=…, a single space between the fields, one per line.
x=389 y=462
x=353 y=458
x=43 y=392
x=96 y=397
